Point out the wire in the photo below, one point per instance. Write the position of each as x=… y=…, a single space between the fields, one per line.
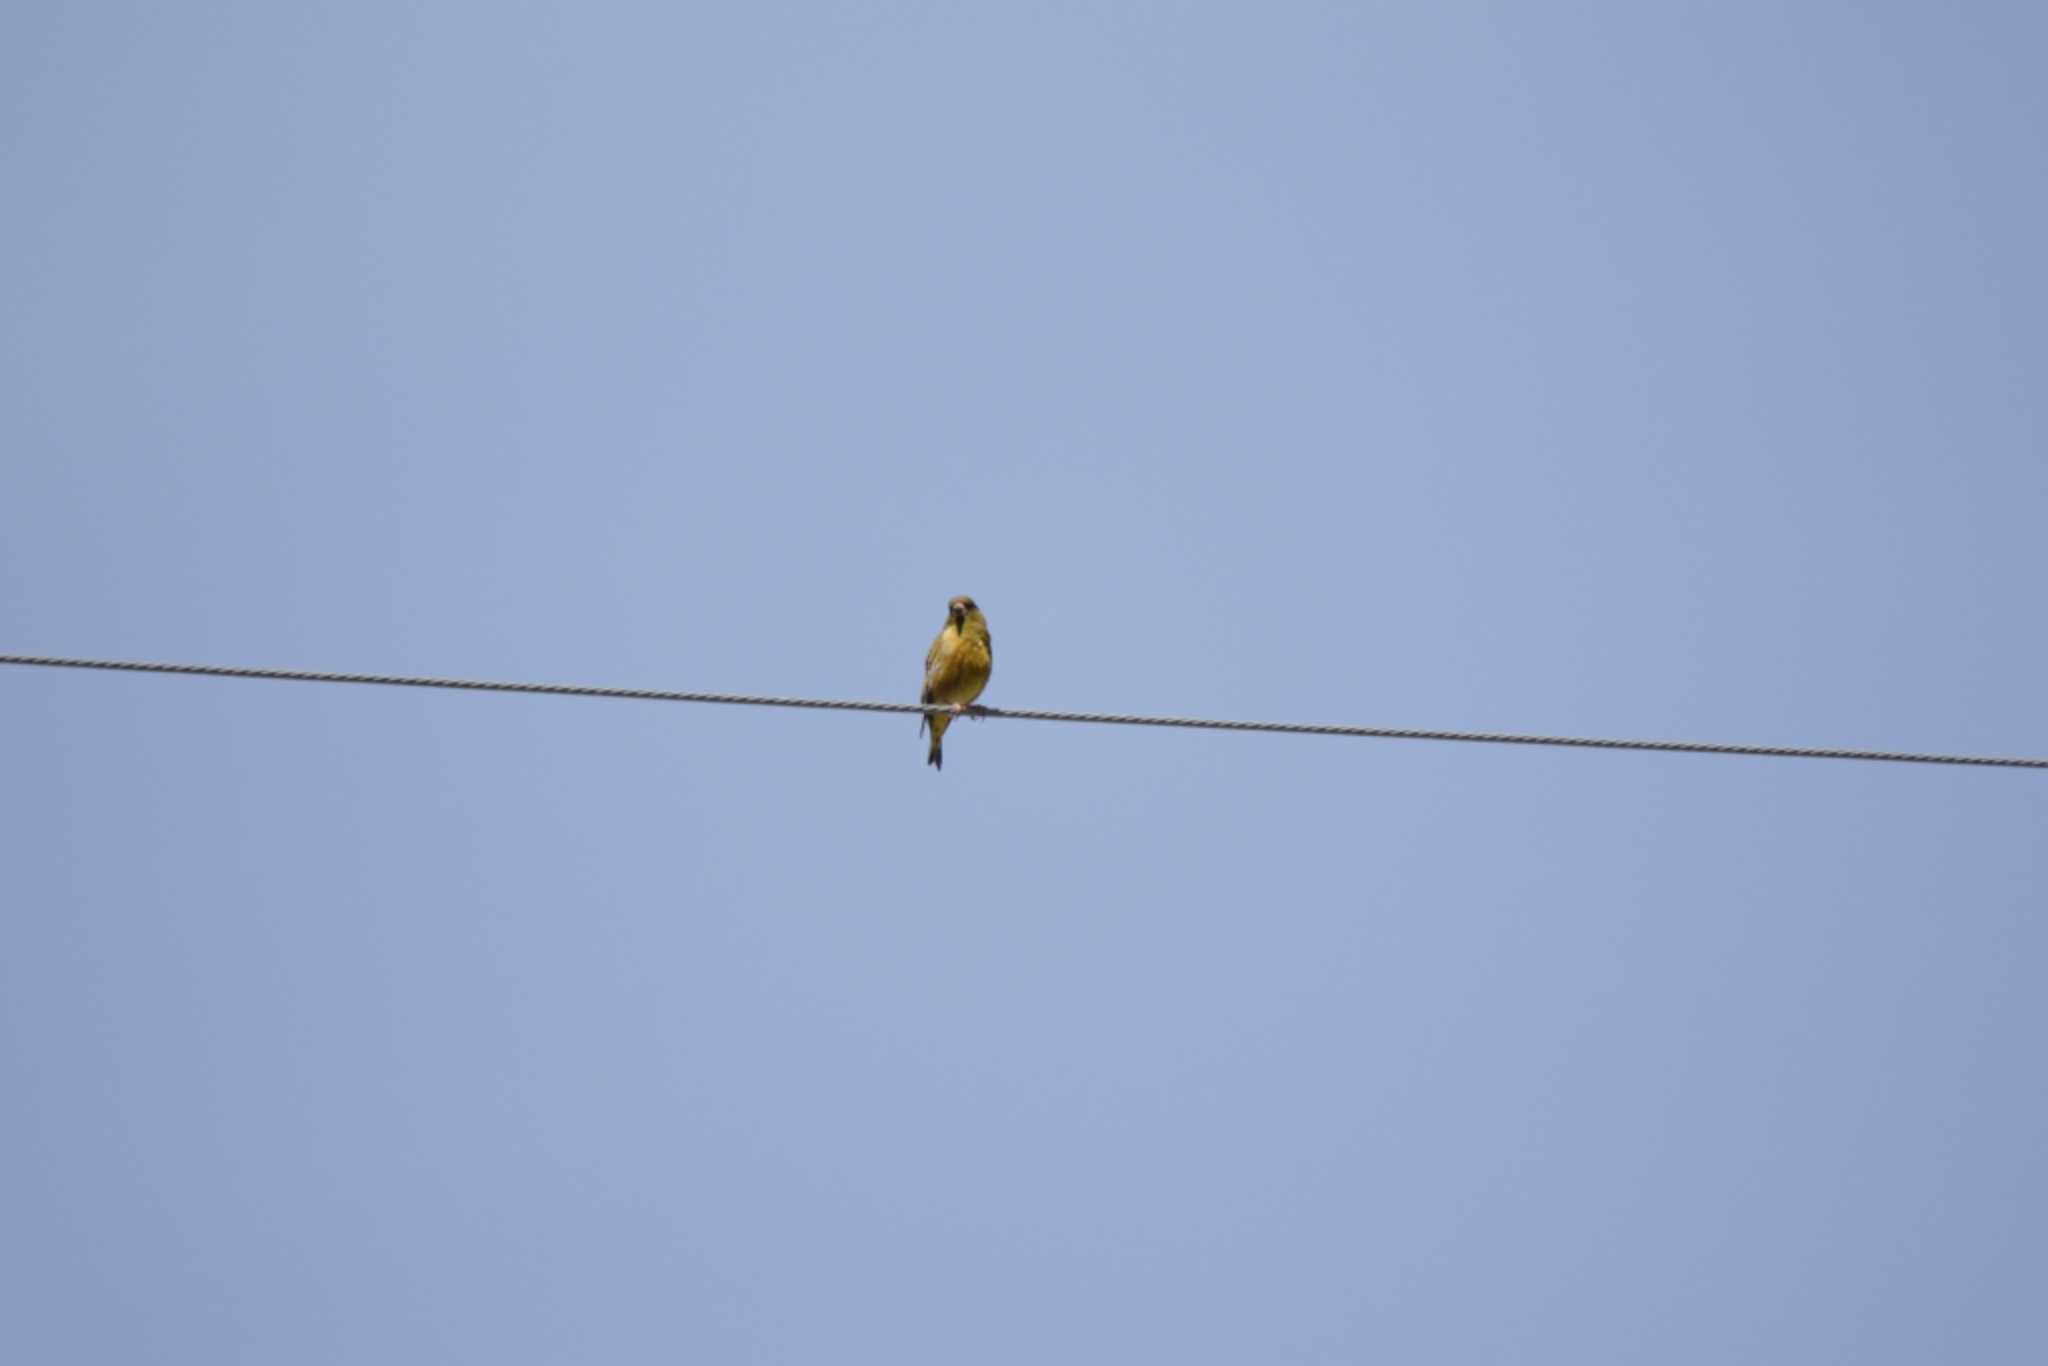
x=1090 y=718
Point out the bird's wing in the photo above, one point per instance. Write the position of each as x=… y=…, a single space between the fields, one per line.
x=933 y=659
x=934 y=662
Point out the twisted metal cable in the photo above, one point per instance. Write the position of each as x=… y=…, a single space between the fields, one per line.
x=1091 y=718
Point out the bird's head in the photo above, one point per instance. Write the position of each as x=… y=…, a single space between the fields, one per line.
x=959 y=609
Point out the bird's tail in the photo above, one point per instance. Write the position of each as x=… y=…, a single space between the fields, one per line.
x=935 y=757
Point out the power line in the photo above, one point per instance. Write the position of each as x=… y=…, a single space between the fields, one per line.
x=1089 y=718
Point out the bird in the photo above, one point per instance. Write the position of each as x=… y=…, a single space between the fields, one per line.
x=956 y=669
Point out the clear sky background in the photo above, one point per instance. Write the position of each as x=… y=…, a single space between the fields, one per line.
x=1656 y=370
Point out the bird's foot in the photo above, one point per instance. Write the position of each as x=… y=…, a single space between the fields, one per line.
x=977 y=711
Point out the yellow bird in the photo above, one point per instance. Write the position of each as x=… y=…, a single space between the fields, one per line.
x=956 y=669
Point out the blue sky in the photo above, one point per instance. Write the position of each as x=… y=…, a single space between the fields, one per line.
x=1655 y=370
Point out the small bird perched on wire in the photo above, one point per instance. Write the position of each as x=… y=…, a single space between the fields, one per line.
x=956 y=669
